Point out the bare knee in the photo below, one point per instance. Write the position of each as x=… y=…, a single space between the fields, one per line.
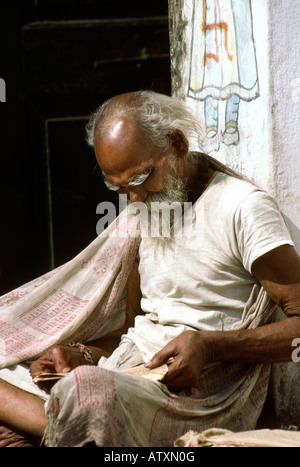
x=22 y=410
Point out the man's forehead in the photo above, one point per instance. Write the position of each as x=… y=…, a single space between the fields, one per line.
x=130 y=154
x=128 y=166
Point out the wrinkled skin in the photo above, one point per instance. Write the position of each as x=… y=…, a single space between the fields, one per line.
x=189 y=351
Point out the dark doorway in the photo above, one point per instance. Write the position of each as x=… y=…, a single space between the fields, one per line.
x=61 y=59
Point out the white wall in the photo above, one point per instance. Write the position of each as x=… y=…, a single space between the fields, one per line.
x=284 y=63
x=269 y=135
x=268 y=125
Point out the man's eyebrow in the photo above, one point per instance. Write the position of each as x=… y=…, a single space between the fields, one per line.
x=109 y=185
x=138 y=180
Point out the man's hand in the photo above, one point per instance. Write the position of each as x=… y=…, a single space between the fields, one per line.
x=190 y=351
x=59 y=359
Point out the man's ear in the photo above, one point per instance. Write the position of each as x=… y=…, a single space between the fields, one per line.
x=179 y=142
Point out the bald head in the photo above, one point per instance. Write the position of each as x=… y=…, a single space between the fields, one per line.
x=122 y=143
x=156 y=115
x=111 y=113
x=136 y=136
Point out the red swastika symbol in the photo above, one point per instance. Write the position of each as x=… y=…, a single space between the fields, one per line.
x=222 y=26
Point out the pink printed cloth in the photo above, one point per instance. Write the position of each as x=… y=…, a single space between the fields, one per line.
x=109 y=407
x=85 y=299
x=82 y=299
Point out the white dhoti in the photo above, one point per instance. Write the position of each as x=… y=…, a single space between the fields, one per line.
x=108 y=407
x=85 y=299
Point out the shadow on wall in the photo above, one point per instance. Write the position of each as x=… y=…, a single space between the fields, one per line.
x=282 y=408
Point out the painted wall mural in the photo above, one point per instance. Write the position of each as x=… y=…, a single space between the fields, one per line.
x=223 y=66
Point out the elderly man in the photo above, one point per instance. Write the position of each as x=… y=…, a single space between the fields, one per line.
x=201 y=301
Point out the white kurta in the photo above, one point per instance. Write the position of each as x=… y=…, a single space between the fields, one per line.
x=203 y=280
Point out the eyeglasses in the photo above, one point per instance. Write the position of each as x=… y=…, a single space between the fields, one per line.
x=138 y=180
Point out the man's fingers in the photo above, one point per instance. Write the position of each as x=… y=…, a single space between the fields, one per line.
x=161 y=357
x=180 y=378
x=60 y=360
x=178 y=383
x=41 y=365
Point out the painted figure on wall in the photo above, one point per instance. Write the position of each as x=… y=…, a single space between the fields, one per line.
x=223 y=65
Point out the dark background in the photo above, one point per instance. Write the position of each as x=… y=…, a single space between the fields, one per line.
x=60 y=59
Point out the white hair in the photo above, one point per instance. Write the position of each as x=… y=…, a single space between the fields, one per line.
x=155 y=114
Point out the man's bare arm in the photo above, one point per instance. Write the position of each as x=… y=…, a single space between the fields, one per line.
x=279 y=273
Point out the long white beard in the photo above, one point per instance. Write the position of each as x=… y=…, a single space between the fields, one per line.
x=165 y=210
x=161 y=215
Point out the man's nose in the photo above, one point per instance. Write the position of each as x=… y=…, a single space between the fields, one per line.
x=137 y=194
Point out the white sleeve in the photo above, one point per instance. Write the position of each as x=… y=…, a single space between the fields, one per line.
x=260 y=227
